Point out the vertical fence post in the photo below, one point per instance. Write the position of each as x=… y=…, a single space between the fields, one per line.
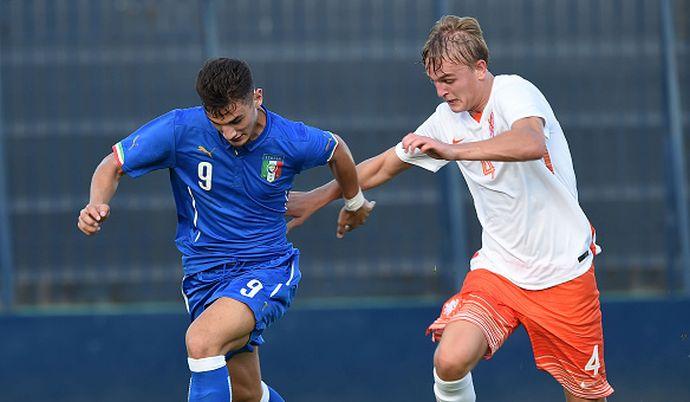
x=453 y=201
x=5 y=227
x=209 y=28
x=674 y=117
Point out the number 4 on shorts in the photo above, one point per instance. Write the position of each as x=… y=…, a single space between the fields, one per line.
x=593 y=363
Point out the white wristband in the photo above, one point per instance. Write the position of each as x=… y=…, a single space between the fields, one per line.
x=355 y=202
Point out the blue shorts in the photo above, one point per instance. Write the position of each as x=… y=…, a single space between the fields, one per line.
x=267 y=288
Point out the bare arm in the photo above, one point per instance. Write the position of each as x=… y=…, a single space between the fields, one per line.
x=344 y=171
x=371 y=173
x=375 y=171
x=104 y=183
x=523 y=142
x=357 y=208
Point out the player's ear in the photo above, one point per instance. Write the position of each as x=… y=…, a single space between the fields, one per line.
x=480 y=69
x=258 y=97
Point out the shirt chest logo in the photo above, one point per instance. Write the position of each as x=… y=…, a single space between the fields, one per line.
x=488 y=167
x=271 y=167
x=206 y=151
x=491 y=124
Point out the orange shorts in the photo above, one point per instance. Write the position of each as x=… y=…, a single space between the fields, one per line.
x=563 y=323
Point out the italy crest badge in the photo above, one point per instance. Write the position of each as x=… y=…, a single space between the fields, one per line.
x=271 y=167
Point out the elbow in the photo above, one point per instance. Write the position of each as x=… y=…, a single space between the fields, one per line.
x=536 y=152
x=536 y=148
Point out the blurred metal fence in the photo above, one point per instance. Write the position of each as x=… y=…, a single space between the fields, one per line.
x=77 y=75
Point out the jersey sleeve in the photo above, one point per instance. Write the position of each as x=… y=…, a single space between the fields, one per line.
x=318 y=147
x=520 y=99
x=149 y=148
x=430 y=128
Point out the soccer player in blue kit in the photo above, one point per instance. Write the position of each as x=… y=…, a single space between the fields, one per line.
x=232 y=163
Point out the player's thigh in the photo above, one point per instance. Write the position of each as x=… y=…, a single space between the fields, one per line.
x=462 y=346
x=564 y=324
x=473 y=323
x=223 y=326
x=245 y=376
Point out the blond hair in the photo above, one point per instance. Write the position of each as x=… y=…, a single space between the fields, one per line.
x=456 y=39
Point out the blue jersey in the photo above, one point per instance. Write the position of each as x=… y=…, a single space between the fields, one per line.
x=230 y=201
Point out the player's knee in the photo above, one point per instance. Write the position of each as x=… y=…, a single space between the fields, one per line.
x=452 y=364
x=199 y=345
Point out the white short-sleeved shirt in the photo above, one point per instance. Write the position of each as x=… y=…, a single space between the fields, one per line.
x=534 y=232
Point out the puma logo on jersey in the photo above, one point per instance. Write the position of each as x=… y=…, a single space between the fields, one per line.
x=134 y=142
x=330 y=139
x=206 y=151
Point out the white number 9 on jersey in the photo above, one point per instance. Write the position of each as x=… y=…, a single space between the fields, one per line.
x=205 y=170
x=252 y=288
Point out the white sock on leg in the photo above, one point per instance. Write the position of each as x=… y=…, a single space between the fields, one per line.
x=265 y=396
x=461 y=390
x=210 y=381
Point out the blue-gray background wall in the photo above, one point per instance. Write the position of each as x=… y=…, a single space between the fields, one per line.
x=345 y=354
x=78 y=75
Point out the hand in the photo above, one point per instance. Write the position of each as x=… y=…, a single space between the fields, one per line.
x=91 y=217
x=349 y=220
x=300 y=206
x=429 y=146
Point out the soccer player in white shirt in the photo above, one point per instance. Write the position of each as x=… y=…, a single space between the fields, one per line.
x=535 y=267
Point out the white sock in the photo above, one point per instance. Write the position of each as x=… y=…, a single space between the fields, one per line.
x=205 y=364
x=265 y=396
x=210 y=381
x=461 y=390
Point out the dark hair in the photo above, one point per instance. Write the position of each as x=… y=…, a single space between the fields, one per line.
x=222 y=82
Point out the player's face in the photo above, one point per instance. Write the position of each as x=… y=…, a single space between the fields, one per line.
x=459 y=84
x=238 y=124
